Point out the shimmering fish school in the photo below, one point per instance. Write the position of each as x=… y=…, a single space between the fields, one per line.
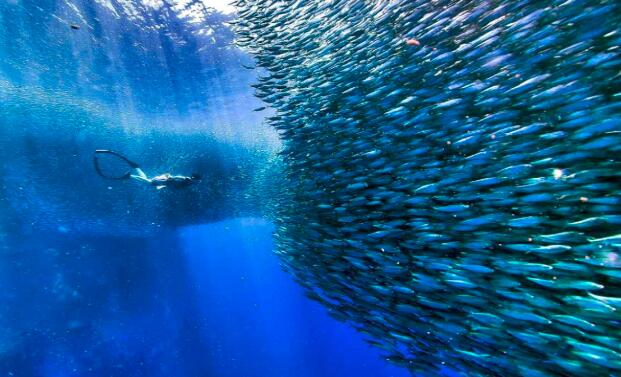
x=453 y=175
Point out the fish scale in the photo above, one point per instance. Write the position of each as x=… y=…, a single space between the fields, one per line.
x=499 y=128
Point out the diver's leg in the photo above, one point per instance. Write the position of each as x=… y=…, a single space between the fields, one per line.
x=140 y=176
x=140 y=173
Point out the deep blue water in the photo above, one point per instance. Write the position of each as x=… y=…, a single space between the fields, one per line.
x=206 y=300
x=256 y=319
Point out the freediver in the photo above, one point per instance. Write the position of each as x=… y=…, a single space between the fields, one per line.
x=159 y=182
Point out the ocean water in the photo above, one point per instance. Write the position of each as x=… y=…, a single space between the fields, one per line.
x=204 y=300
x=388 y=188
x=114 y=278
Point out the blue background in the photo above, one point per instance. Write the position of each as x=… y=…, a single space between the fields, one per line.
x=206 y=300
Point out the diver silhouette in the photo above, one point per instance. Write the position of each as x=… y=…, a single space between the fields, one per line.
x=134 y=172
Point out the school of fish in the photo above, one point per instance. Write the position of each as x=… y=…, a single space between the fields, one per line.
x=453 y=175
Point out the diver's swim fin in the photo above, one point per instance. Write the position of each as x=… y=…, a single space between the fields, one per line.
x=129 y=162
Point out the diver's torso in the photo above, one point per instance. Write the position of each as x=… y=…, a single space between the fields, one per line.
x=167 y=180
